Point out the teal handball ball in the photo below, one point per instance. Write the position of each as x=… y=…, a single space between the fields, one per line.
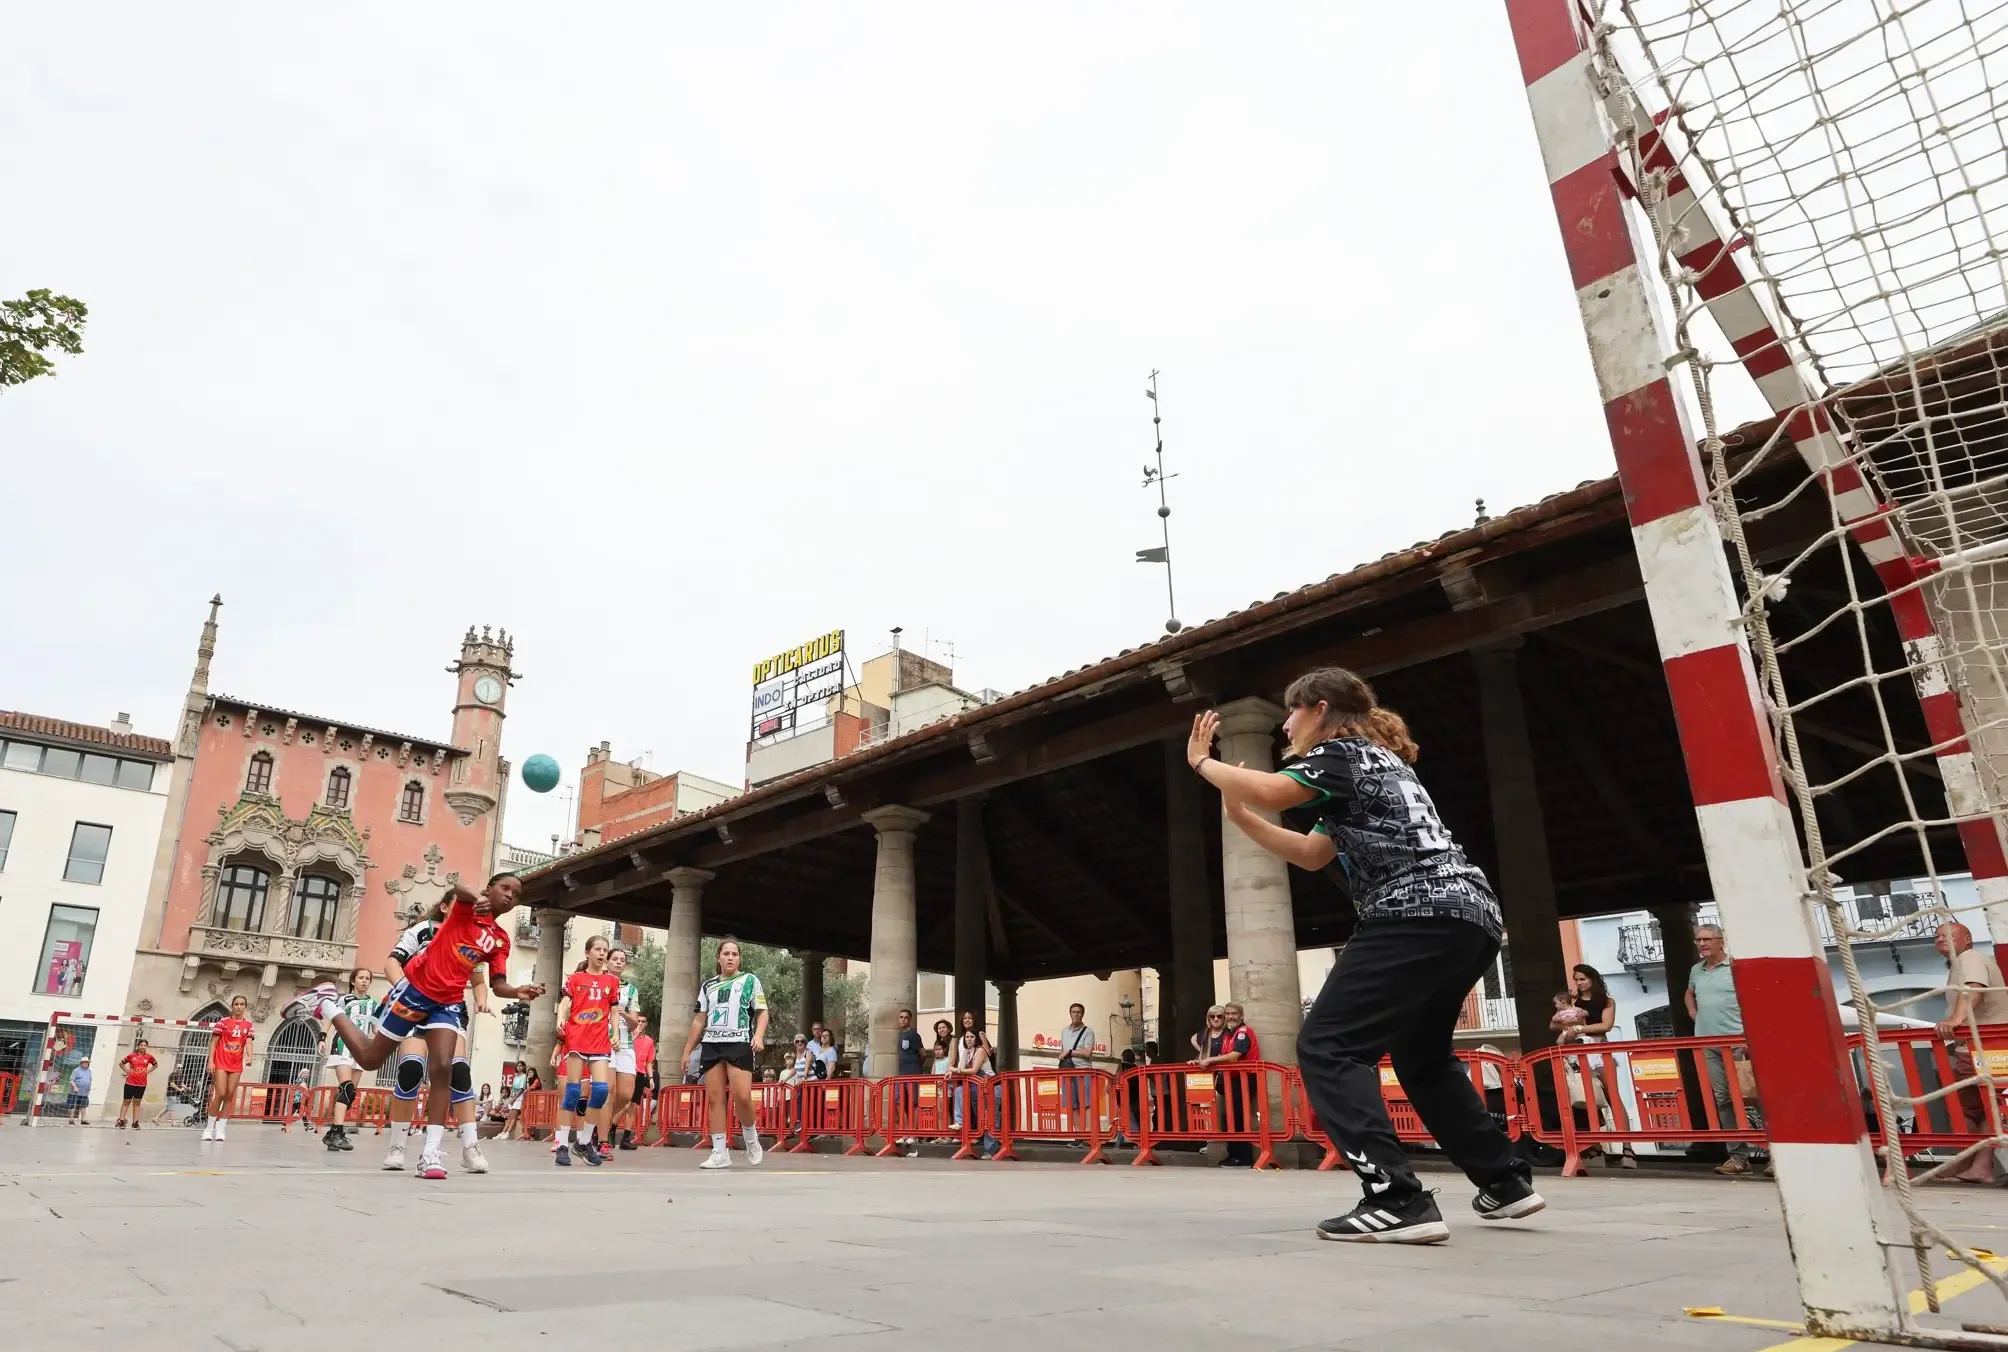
x=540 y=772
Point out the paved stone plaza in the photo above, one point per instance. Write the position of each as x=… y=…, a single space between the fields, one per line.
x=157 y=1242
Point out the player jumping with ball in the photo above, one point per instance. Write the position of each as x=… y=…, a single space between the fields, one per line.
x=432 y=996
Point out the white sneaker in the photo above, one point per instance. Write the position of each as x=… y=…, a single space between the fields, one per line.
x=221 y=1124
x=720 y=1159
x=754 y=1153
x=395 y=1159
x=471 y=1160
x=209 y=1130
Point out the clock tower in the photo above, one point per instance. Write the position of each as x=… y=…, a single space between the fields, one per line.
x=480 y=777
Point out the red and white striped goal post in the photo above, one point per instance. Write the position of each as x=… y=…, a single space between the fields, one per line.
x=49 y=1044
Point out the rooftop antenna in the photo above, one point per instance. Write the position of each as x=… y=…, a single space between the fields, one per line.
x=1161 y=553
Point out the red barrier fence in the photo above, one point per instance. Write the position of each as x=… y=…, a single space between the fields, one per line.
x=832 y=1108
x=1581 y=1080
x=924 y=1108
x=680 y=1107
x=1921 y=1065
x=267 y=1102
x=540 y=1111
x=10 y=1089
x=1494 y=1076
x=1052 y=1105
x=1235 y=1102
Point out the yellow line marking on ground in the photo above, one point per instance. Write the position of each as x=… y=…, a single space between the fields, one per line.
x=1958 y=1284
x=1714 y=1314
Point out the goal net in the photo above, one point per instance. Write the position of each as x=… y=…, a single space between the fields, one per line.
x=1822 y=191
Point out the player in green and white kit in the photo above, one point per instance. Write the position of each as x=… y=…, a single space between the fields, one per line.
x=362 y=1011
x=731 y=1023
x=627 y=1022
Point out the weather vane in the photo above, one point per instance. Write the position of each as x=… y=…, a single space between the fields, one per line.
x=1157 y=477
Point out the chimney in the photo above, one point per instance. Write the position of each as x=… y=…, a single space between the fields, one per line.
x=123 y=724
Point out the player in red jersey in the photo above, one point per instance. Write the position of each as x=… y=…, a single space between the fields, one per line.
x=586 y=1013
x=226 y=1062
x=433 y=997
x=138 y=1066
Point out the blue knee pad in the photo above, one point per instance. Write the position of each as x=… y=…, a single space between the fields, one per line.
x=410 y=1078
x=463 y=1081
x=599 y=1093
x=570 y=1102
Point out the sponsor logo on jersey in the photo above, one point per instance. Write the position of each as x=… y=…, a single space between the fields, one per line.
x=588 y=1016
x=469 y=954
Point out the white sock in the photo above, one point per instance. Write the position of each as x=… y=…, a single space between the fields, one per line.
x=718 y=1141
x=564 y=1137
x=470 y=1133
x=586 y=1134
x=398 y=1131
x=435 y=1132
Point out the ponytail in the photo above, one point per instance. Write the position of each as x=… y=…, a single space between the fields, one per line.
x=1386 y=728
x=1350 y=710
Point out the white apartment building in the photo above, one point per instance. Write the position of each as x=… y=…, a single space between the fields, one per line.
x=81 y=808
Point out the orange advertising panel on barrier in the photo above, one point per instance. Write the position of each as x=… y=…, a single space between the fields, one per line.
x=1053 y=1105
x=1494 y=1076
x=540 y=1110
x=833 y=1108
x=10 y=1089
x=925 y=1108
x=1235 y=1102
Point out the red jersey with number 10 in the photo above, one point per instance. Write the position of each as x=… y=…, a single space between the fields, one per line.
x=465 y=940
x=589 y=1029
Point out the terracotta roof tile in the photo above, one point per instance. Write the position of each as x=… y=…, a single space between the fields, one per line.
x=318 y=721
x=88 y=734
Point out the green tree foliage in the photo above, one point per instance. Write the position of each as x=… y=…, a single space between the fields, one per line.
x=30 y=327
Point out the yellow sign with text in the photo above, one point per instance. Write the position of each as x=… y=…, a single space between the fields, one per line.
x=801 y=655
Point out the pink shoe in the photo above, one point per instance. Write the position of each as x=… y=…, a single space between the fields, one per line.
x=431 y=1167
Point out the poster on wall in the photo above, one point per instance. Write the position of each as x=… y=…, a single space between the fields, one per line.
x=65 y=975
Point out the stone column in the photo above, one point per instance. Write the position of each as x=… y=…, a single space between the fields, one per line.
x=895 y=957
x=682 y=957
x=812 y=990
x=547 y=971
x=1261 y=927
x=1190 y=810
x=1524 y=878
x=1007 y=1024
x=972 y=908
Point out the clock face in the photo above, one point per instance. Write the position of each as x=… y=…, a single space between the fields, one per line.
x=488 y=690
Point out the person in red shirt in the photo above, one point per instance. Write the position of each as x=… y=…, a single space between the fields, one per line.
x=433 y=997
x=586 y=1013
x=226 y=1062
x=138 y=1067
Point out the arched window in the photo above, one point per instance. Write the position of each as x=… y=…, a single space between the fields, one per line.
x=290 y=1057
x=338 y=788
x=315 y=901
x=411 y=807
x=258 y=779
x=240 y=898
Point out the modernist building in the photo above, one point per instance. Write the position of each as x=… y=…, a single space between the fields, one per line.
x=300 y=844
x=81 y=808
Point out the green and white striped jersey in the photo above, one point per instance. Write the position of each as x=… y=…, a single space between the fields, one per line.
x=362 y=1012
x=728 y=1007
x=628 y=999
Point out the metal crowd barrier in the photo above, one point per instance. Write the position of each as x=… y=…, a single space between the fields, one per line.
x=1235 y=1102
x=1582 y=1078
x=924 y=1108
x=832 y=1108
x=1053 y=1105
x=10 y=1090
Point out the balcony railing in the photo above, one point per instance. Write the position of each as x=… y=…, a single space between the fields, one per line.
x=1486 y=1014
x=324 y=955
x=1871 y=918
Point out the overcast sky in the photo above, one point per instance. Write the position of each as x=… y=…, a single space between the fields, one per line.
x=670 y=336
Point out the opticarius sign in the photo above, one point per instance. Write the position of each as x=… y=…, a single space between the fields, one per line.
x=815 y=650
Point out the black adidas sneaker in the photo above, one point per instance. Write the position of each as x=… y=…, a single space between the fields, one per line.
x=1415 y=1221
x=1507 y=1201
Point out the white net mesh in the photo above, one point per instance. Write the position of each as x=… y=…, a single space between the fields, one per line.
x=1826 y=182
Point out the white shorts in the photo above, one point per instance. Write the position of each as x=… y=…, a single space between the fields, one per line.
x=624 y=1061
x=341 y=1061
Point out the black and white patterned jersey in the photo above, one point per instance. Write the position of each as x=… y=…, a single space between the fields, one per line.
x=1400 y=863
x=417 y=937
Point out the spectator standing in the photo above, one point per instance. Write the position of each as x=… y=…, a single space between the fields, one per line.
x=1077 y=1052
x=798 y=1062
x=80 y=1090
x=1590 y=995
x=1974 y=997
x=138 y=1067
x=1237 y=1042
x=179 y=1096
x=910 y=1045
x=1712 y=1004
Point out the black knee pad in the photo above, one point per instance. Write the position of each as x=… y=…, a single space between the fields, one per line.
x=463 y=1080
x=410 y=1076
x=345 y=1093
